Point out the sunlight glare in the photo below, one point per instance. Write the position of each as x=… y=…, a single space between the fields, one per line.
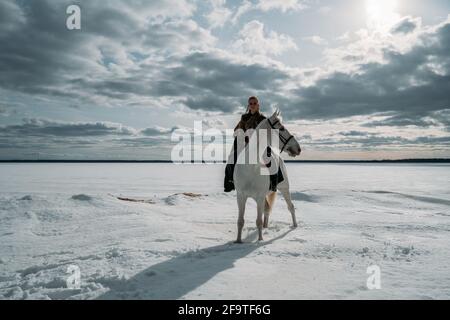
x=381 y=13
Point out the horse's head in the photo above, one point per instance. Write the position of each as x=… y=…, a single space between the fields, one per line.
x=287 y=141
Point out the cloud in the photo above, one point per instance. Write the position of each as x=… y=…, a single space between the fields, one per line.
x=317 y=40
x=407 y=25
x=177 y=36
x=282 y=5
x=40 y=56
x=402 y=121
x=11 y=16
x=46 y=128
x=213 y=123
x=219 y=14
x=210 y=82
x=141 y=142
x=145 y=54
x=369 y=140
x=411 y=84
x=43 y=138
x=43 y=127
x=211 y=102
x=245 y=7
x=440 y=118
x=353 y=133
x=6 y=109
x=157 y=131
x=138 y=53
x=268 y=5
x=254 y=40
x=344 y=37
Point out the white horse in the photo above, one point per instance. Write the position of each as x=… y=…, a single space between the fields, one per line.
x=250 y=183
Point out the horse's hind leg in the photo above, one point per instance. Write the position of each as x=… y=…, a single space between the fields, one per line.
x=241 y=206
x=259 y=219
x=268 y=205
x=287 y=196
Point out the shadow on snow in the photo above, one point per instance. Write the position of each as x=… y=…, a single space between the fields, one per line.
x=174 y=278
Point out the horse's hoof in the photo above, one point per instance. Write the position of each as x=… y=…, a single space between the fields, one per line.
x=260 y=239
x=295 y=225
x=238 y=241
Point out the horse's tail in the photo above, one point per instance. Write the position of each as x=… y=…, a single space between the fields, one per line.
x=269 y=201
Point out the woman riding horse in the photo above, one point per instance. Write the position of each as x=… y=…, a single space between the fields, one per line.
x=250 y=120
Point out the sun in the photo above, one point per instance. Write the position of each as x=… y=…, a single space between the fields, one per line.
x=381 y=13
x=380 y=8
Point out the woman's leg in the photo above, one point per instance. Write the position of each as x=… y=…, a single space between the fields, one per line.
x=229 y=170
x=228 y=182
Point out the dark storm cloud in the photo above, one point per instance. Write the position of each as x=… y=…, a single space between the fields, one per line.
x=371 y=140
x=38 y=47
x=211 y=102
x=212 y=83
x=35 y=143
x=37 y=138
x=413 y=84
x=303 y=137
x=435 y=118
x=432 y=140
x=202 y=81
x=174 y=33
x=39 y=55
x=406 y=25
x=443 y=118
x=10 y=16
x=353 y=133
x=225 y=77
x=39 y=128
x=157 y=131
x=401 y=121
x=121 y=89
x=141 y=142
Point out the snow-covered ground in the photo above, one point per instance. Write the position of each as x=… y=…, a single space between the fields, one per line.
x=176 y=246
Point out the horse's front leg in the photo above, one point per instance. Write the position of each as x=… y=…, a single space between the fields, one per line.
x=287 y=196
x=241 y=200
x=259 y=219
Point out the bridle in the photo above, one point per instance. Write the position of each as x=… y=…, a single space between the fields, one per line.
x=283 y=140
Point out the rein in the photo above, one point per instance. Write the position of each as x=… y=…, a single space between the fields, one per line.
x=282 y=139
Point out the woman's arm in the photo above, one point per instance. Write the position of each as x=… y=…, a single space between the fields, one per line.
x=240 y=125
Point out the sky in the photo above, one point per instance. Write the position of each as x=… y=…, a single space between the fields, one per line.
x=354 y=79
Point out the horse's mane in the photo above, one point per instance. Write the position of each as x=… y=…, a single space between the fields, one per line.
x=261 y=123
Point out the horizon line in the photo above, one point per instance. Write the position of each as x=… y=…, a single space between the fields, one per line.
x=408 y=160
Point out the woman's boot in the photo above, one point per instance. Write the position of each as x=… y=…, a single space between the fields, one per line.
x=228 y=182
